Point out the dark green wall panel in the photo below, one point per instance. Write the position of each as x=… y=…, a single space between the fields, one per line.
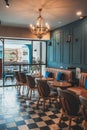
x=85 y=42
x=58 y=51
x=66 y=50
x=69 y=46
x=76 y=44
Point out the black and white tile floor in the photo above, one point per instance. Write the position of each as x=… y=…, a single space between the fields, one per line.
x=20 y=113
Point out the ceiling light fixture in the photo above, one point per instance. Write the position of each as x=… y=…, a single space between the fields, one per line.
x=41 y=28
x=7 y=4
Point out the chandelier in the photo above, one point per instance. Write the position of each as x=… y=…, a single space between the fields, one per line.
x=41 y=28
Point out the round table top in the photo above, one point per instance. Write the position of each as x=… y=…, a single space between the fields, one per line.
x=45 y=79
x=61 y=84
x=84 y=94
x=79 y=91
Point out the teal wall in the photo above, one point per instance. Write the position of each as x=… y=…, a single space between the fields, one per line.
x=30 y=53
x=1 y=52
x=72 y=53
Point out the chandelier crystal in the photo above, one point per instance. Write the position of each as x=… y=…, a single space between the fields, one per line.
x=41 y=28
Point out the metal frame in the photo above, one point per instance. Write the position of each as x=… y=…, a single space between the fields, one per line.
x=3 y=43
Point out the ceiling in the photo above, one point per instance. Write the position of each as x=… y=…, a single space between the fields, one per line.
x=56 y=12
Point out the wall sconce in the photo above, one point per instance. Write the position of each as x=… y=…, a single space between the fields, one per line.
x=57 y=43
x=68 y=39
x=76 y=39
x=7 y=3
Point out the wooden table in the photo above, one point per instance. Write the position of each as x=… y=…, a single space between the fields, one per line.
x=47 y=79
x=44 y=79
x=79 y=91
x=60 y=84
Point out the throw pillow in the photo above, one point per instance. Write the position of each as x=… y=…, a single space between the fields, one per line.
x=48 y=74
x=60 y=76
x=86 y=84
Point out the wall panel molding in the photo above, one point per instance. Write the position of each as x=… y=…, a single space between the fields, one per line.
x=75 y=52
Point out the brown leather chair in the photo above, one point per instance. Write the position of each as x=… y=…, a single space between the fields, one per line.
x=70 y=105
x=31 y=84
x=18 y=82
x=22 y=77
x=82 y=79
x=83 y=101
x=45 y=93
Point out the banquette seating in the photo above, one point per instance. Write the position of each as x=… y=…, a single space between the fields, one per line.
x=67 y=73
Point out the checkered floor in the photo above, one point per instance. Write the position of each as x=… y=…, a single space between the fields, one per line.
x=20 y=113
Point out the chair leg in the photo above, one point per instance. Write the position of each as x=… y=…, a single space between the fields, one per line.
x=60 y=118
x=38 y=102
x=49 y=101
x=70 y=120
x=84 y=124
x=44 y=104
x=56 y=102
x=23 y=90
x=30 y=93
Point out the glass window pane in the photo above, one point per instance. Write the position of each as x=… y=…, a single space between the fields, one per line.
x=1 y=66
x=36 y=52
x=17 y=56
x=43 y=52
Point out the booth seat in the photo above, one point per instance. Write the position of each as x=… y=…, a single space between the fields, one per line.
x=67 y=73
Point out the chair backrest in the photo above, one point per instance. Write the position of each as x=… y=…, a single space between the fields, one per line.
x=43 y=88
x=82 y=79
x=83 y=101
x=30 y=81
x=17 y=76
x=70 y=102
x=22 y=77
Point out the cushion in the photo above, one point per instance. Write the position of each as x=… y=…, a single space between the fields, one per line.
x=60 y=76
x=48 y=74
x=86 y=84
